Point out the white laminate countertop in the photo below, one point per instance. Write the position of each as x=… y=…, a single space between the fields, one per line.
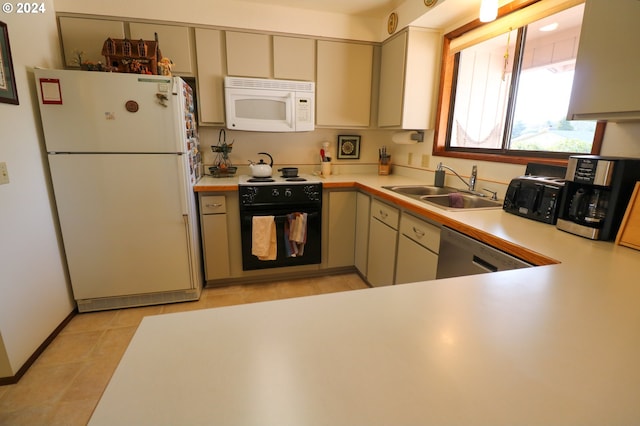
x=550 y=345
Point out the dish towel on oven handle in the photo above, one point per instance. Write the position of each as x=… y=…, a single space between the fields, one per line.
x=295 y=234
x=263 y=237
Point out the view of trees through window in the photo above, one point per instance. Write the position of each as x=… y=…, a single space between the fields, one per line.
x=511 y=92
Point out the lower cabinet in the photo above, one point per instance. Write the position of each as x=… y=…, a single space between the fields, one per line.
x=386 y=245
x=383 y=237
x=341 y=228
x=418 y=246
x=213 y=222
x=363 y=209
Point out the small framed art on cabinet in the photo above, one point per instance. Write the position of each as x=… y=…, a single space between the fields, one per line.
x=348 y=147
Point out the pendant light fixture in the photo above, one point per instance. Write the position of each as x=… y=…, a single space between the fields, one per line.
x=488 y=10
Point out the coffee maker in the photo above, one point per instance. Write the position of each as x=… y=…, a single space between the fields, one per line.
x=597 y=191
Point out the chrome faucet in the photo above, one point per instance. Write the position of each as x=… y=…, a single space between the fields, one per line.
x=471 y=184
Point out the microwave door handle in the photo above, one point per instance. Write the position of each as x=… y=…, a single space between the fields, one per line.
x=291 y=105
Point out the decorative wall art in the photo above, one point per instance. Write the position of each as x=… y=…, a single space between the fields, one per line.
x=8 y=91
x=392 y=23
x=348 y=147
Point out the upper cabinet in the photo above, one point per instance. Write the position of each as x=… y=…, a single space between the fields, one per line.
x=343 y=84
x=408 y=77
x=248 y=54
x=211 y=72
x=86 y=36
x=605 y=84
x=267 y=56
x=174 y=41
x=342 y=70
x=294 y=58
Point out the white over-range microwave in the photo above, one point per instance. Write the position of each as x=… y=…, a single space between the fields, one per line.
x=264 y=105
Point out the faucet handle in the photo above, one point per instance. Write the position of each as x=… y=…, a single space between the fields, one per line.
x=494 y=194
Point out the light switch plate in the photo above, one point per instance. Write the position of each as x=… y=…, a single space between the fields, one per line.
x=4 y=174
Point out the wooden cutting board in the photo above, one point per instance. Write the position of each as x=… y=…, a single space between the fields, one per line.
x=629 y=233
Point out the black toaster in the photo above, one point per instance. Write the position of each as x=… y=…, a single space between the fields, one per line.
x=534 y=197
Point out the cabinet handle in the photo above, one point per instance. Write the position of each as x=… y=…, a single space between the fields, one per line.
x=419 y=233
x=383 y=214
x=214 y=205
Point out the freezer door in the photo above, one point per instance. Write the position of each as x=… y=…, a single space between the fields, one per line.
x=109 y=112
x=125 y=223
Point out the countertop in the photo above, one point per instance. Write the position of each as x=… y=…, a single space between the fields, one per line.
x=556 y=344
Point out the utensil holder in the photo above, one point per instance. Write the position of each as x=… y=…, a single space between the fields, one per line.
x=325 y=168
x=384 y=168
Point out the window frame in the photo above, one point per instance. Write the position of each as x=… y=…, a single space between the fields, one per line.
x=445 y=104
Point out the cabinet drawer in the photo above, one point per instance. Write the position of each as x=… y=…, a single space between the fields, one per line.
x=385 y=213
x=211 y=204
x=423 y=233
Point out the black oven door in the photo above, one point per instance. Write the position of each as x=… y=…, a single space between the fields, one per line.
x=312 y=247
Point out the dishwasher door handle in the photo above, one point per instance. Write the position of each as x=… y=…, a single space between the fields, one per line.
x=483 y=264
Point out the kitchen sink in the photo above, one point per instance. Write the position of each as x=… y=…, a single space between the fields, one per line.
x=439 y=197
x=468 y=202
x=420 y=190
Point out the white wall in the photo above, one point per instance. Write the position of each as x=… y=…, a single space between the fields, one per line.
x=34 y=294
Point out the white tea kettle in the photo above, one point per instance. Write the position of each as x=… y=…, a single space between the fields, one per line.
x=261 y=169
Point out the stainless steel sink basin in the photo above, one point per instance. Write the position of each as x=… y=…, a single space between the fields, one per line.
x=420 y=190
x=468 y=202
x=439 y=197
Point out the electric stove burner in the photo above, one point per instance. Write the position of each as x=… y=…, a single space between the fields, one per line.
x=261 y=179
x=300 y=179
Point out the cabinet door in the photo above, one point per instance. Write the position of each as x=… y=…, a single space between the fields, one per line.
x=211 y=71
x=408 y=71
x=363 y=203
x=342 y=225
x=248 y=55
x=343 y=85
x=392 y=68
x=174 y=41
x=294 y=58
x=415 y=262
x=216 y=250
x=605 y=84
x=382 y=254
x=87 y=36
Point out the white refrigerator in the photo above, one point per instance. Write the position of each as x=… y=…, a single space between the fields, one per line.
x=123 y=155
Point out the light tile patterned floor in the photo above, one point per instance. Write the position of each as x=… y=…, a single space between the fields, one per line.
x=66 y=382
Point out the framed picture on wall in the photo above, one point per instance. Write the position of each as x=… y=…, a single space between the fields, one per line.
x=348 y=147
x=8 y=92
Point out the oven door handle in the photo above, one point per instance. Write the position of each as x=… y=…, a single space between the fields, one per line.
x=284 y=216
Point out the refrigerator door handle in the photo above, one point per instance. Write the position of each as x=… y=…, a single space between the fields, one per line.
x=187 y=228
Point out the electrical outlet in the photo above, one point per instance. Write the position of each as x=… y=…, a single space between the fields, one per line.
x=425 y=160
x=409 y=158
x=4 y=174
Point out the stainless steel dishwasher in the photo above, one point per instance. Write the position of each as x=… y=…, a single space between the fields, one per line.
x=461 y=255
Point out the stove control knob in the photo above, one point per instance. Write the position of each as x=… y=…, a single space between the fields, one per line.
x=275 y=192
x=287 y=192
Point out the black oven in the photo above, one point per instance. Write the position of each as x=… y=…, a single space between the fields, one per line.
x=281 y=203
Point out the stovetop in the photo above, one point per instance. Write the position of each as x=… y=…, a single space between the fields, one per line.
x=278 y=180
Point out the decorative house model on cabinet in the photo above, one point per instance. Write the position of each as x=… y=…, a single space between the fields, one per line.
x=139 y=57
